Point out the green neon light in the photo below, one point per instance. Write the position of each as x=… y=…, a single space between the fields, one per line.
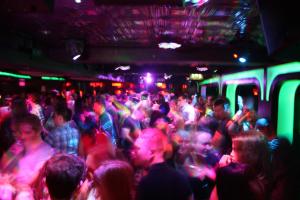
x=256 y=73
x=14 y=75
x=275 y=71
x=286 y=107
x=230 y=94
x=52 y=78
x=210 y=81
x=216 y=79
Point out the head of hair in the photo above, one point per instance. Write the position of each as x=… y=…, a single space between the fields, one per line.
x=60 y=101
x=98 y=148
x=18 y=106
x=233 y=183
x=34 y=97
x=161 y=99
x=252 y=149
x=100 y=99
x=222 y=101
x=184 y=96
x=208 y=124
x=114 y=180
x=144 y=95
x=63 y=173
x=32 y=120
x=63 y=111
x=155 y=115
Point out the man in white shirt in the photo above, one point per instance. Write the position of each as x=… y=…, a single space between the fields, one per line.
x=187 y=110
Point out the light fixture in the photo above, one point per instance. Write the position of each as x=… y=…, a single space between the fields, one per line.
x=242 y=60
x=46 y=32
x=166 y=76
x=161 y=85
x=77 y=1
x=123 y=68
x=111 y=77
x=76 y=56
x=196 y=77
x=194 y=2
x=74 y=48
x=235 y=55
x=22 y=82
x=148 y=78
x=201 y=69
x=118 y=85
x=52 y=78
x=14 y=75
x=169 y=45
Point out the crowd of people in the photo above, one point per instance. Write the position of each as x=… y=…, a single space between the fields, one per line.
x=140 y=146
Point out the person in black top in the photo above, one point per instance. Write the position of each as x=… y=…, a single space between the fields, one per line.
x=162 y=182
x=222 y=138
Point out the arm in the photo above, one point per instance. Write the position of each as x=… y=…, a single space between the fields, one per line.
x=125 y=132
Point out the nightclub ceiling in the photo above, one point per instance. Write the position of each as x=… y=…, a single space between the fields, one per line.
x=43 y=36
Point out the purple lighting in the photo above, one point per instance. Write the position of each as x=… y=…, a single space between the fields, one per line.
x=148 y=78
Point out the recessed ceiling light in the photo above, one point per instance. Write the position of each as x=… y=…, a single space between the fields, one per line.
x=123 y=68
x=201 y=69
x=76 y=57
x=46 y=32
x=77 y=1
x=166 y=76
x=169 y=45
x=242 y=60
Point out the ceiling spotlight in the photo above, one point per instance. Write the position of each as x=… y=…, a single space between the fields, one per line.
x=169 y=45
x=235 y=55
x=201 y=69
x=77 y=1
x=166 y=76
x=215 y=71
x=74 y=48
x=242 y=60
x=123 y=68
x=76 y=56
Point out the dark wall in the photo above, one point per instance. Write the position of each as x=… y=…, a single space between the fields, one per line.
x=281 y=28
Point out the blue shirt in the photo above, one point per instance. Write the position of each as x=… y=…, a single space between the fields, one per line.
x=64 y=139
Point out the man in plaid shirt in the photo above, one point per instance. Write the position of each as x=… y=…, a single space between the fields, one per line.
x=65 y=137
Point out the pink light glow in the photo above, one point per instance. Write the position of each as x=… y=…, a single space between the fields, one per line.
x=22 y=83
